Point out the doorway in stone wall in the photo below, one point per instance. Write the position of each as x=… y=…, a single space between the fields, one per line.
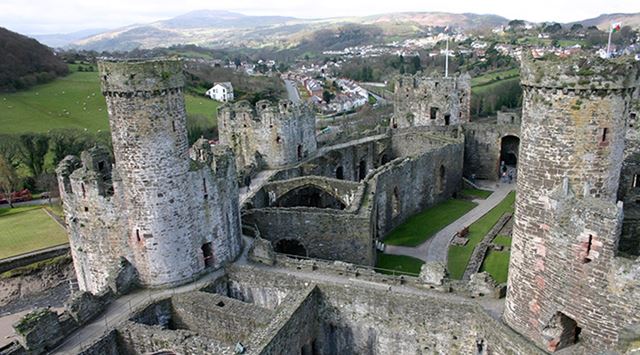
x=560 y=332
x=509 y=150
x=207 y=253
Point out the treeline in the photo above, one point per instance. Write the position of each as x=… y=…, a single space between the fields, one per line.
x=29 y=160
x=487 y=99
x=24 y=62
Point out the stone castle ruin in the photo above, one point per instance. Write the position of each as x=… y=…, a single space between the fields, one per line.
x=267 y=135
x=162 y=214
x=167 y=215
x=431 y=101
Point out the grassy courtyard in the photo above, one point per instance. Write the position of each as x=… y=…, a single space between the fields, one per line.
x=399 y=263
x=476 y=193
x=25 y=229
x=496 y=263
x=73 y=101
x=425 y=224
x=459 y=255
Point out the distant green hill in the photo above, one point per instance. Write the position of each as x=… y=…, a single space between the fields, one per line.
x=74 y=101
x=25 y=62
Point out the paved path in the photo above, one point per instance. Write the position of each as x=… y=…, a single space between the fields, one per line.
x=436 y=248
x=292 y=91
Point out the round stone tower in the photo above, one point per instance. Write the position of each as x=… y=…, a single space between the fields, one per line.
x=566 y=218
x=148 y=127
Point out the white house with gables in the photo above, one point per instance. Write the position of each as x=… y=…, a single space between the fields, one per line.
x=221 y=92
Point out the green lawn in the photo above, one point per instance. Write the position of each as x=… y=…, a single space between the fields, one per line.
x=503 y=240
x=399 y=263
x=459 y=255
x=496 y=263
x=25 y=229
x=476 y=193
x=74 y=101
x=425 y=224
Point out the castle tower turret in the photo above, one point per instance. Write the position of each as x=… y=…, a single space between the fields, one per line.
x=148 y=126
x=567 y=222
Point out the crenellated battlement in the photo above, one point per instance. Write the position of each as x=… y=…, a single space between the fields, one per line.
x=580 y=73
x=140 y=77
x=263 y=110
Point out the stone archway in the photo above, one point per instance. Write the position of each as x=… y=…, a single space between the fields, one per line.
x=509 y=152
x=309 y=196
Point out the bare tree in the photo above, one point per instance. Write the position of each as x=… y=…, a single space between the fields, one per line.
x=9 y=181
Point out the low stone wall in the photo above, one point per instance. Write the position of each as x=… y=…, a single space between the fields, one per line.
x=30 y=258
x=480 y=251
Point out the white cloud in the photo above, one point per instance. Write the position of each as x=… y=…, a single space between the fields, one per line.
x=58 y=16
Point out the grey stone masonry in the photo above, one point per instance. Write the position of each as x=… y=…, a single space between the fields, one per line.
x=269 y=134
x=168 y=215
x=565 y=281
x=431 y=101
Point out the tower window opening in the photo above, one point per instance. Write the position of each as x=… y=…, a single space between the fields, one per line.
x=278 y=139
x=84 y=193
x=173 y=125
x=447 y=119
x=605 y=131
x=635 y=180
x=433 y=113
x=138 y=234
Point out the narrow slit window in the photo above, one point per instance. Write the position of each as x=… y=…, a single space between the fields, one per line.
x=204 y=188
x=138 y=234
x=605 y=132
x=173 y=125
x=635 y=180
x=587 y=258
x=84 y=193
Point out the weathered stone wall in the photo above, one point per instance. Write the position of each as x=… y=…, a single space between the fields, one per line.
x=218 y=317
x=169 y=216
x=269 y=134
x=324 y=233
x=431 y=173
x=566 y=227
x=431 y=101
x=294 y=327
x=482 y=148
x=355 y=319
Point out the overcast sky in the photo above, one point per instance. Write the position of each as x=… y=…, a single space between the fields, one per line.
x=62 y=16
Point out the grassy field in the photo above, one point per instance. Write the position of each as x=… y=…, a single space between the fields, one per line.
x=24 y=229
x=476 y=193
x=74 y=101
x=496 y=263
x=399 y=263
x=425 y=224
x=459 y=255
x=494 y=77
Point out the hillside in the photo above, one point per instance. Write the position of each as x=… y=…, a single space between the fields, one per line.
x=223 y=29
x=74 y=101
x=25 y=62
x=604 y=21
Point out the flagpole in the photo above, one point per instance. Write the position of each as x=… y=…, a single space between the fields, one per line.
x=446 y=60
x=609 y=42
